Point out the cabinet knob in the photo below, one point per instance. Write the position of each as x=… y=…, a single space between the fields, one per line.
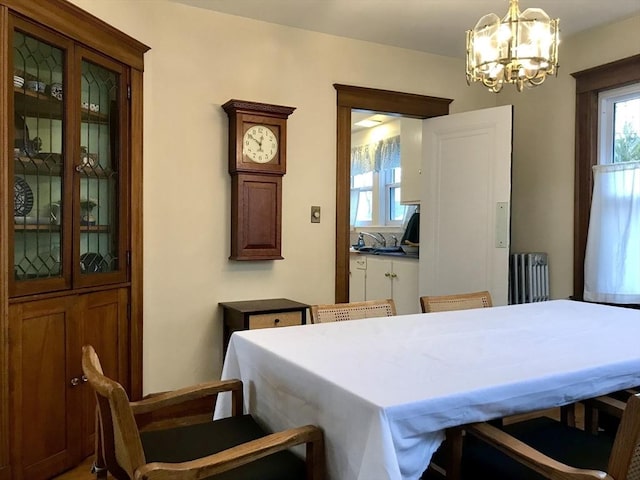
x=387 y=274
x=84 y=379
x=276 y=321
x=75 y=381
x=393 y=275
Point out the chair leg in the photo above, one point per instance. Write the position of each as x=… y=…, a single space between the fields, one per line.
x=99 y=467
x=568 y=415
x=590 y=418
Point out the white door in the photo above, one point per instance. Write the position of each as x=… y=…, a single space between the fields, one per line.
x=466 y=194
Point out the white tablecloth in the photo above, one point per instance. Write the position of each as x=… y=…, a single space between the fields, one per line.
x=384 y=389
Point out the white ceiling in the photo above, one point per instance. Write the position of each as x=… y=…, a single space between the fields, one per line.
x=435 y=26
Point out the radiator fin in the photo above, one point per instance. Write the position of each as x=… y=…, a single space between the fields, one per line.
x=528 y=277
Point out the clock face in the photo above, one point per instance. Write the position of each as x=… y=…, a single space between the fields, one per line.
x=259 y=144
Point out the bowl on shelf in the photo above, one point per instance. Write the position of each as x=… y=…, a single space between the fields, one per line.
x=18 y=81
x=56 y=90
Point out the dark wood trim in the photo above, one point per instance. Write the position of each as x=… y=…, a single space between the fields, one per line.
x=589 y=83
x=4 y=255
x=361 y=98
x=83 y=27
x=136 y=110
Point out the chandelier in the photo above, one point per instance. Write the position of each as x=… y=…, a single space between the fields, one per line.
x=522 y=48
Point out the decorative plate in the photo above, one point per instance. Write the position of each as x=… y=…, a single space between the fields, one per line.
x=22 y=197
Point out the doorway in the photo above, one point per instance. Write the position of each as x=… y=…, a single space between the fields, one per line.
x=382 y=101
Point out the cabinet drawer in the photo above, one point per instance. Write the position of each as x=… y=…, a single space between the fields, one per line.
x=282 y=319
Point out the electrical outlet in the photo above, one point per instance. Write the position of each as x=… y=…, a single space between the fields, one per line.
x=315 y=214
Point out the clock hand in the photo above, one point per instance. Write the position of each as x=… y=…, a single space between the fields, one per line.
x=255 y=140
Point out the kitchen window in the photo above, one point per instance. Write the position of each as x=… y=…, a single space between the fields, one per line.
x=376 y=184
x=375 y=198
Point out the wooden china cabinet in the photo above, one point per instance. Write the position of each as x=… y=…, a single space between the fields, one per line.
x=70 y=227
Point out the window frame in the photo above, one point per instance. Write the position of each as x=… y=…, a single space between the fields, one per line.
x=589 y=83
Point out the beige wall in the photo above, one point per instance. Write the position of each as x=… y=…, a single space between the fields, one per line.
x=200 y=59
x=543 y=158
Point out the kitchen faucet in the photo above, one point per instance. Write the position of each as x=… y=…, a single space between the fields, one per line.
x=379 y=238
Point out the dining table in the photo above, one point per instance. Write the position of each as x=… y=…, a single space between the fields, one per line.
x=385 y=390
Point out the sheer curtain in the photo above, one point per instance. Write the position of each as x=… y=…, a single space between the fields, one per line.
x=612 y=259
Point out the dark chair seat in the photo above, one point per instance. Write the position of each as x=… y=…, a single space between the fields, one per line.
x=565 y=444
x=191 y=442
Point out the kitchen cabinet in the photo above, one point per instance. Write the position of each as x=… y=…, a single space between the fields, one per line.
x=71 y=243
x=357 y=277
x=386 y=277
x=411 y=160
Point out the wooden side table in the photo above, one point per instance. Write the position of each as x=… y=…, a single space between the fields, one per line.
x=252 y=314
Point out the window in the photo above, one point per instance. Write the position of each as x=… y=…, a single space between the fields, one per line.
x=612 y=257
x=589 y=83
x=376 y=184
x=619 y=130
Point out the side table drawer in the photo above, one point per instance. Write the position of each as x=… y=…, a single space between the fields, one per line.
x=268 y=320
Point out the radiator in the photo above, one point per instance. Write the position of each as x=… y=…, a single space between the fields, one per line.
x=528 y=277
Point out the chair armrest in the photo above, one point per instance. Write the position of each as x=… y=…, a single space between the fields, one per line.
x=245 y=453
x=530 y=457
x=186 y=394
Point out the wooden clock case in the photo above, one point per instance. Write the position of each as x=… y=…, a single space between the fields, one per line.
x=256 y=188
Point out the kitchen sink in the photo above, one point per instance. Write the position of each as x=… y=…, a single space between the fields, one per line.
x=388 y=250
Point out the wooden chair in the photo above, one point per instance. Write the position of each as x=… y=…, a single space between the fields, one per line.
x=352 y=311
x=460 y=301
x=544 y=448
x=603 y=413
x=235 y=447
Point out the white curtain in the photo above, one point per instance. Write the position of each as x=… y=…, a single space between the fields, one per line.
x=612 y=259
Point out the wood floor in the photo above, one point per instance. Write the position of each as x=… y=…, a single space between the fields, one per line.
x=83 y=471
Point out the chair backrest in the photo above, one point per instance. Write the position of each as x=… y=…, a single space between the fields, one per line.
x=352 y=311
x=120 y=438
x=460 y=301
x=624 y=461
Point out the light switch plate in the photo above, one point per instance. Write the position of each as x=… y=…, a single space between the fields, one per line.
x=502 y=224
x=315 y=214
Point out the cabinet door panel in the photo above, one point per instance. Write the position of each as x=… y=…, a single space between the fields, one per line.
x=101 y=196
x=357 y=278
x=405 y=286
x=104 y=325
x=43 y=402
x=39 y=245
x=378 y=284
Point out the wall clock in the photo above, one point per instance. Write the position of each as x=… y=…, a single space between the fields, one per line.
x=257 y=162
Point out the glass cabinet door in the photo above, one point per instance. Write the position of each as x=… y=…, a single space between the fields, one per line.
x=69 y=224
x=100 y=190
x=40 y=69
